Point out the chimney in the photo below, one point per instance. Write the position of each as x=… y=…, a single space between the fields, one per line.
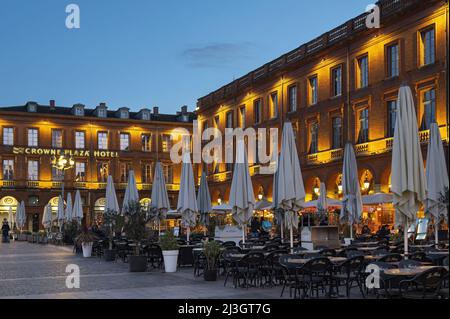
x=103 y=104
x=52 y=105
x=184 y=109
x=155 y=110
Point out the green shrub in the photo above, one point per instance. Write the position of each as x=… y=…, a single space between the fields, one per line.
x=168 y=241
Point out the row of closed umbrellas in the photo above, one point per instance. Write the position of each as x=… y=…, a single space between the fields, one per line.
x=65 y=214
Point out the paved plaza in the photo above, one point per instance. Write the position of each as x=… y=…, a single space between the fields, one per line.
x=38 y=271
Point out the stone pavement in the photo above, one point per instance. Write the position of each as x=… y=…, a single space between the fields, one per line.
x=39 y=271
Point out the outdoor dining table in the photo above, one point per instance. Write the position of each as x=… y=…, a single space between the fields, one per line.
x=367 y=248
x=367 y=243
x=306 y=252
x=407 y=272
x=334 y=260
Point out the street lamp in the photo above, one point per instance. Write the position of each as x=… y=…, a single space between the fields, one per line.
x=316 y=188
x=366 y=182
x=62 y=163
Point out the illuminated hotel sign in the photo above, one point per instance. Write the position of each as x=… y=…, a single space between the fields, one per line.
x=74 y=153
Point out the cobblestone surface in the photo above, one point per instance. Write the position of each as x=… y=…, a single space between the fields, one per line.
x=39 y=271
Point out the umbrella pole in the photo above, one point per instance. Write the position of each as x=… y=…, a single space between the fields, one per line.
x=405 y=236
x=282 y=237
x=188 y=233
x=243 y=234
x=351 y=231
x=436 y=231
x=292 y=239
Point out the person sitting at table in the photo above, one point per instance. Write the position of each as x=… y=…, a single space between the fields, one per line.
x=266 y=226
x=366 y=230
x=254 y=227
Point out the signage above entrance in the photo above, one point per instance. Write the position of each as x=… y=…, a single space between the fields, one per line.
x=74 y=153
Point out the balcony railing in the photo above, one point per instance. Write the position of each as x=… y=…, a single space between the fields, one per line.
x=325 y=157
x=8 y=184
x=80 y=185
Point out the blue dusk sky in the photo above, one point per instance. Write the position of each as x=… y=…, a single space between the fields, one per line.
x=145 y=53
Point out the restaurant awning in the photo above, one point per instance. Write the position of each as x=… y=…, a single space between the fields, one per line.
x=330 y=201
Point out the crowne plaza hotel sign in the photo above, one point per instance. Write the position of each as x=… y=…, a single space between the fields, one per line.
x=56 y=152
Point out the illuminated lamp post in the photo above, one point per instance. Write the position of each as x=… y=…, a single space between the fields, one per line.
x=62 y=163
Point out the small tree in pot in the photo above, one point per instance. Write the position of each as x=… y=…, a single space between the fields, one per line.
x=135 y=220
x=212 y=253
x=169 y=247
x=86 y=240
x=110 y=222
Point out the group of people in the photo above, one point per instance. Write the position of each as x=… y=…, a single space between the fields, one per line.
x=260 y=227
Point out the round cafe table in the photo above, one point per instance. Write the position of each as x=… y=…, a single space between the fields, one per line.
x=406 y=272
x=301 y=261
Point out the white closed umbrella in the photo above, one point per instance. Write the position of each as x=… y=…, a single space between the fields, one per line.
x=187 y=201
x=131 y=192
x=204 y=201
x=351 y=201
x=111 y=203
x=322 y=204
x=277 y=210
x=69 y=209
x=60 y=212
x=291 y=191
x=242 y=198
x=47 y=217
x=21 y=216
x=11 y=216
x=78 y=208
x=407 y=171
x=437 y=178
x=160 y=204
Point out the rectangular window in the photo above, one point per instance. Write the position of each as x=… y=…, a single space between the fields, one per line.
x=362 y=72
x=216 y=121
x=313 y=97
x=33 y=170
x=8 y=169
x=33 y=137
x=146 y=141
x=392 y=60
x=124 y=141
x=57 y=138
x=337 y=132
x=429 y=108
x=166 y=142
x=80 y=171
x=427 y=47
x=102 y=171
x=57 y=174
x=8 y=136
x=229 y=120
x=363 y=135
x=168 y=173
x=292 y=95
x=102 y=139
x=273 y=105
x=80 y=141
x=147 y=173
x=336 y=77
x=124 y=169
x=257 y=111
x=392 y=116
x=242 y=116
x=313 y=138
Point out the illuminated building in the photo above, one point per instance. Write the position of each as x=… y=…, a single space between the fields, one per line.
x=341 y=87
x=100 y=141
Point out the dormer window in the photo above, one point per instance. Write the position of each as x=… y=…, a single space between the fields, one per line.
x=144 y=114
x=78 y=110
x=123 y=113
x=32 y=107
x=101 y=112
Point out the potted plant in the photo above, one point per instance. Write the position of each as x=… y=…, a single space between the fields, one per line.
x=169 y=247
x=86 y=240
x=110 y=220
x=135 y=220
x=212 y=253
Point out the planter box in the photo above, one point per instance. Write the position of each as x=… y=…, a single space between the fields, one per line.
x=137 y=263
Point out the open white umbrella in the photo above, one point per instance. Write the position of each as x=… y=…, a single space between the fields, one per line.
x=437 y=178
x=408 y=177
x=187 y=201
x=78 y=208
x=378 y=198
x=263 y=204
x=131 y=192
x=160 y=204
x=351 y=202
x=47 y=217
x=60 y=218
x=21 y=216
x=242 y=198
x=291 y=191
x=204 y=201
x=69 y=209
x=223 y=208
x=330 y=202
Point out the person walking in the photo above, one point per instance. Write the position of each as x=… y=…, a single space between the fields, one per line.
x=5 y=231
